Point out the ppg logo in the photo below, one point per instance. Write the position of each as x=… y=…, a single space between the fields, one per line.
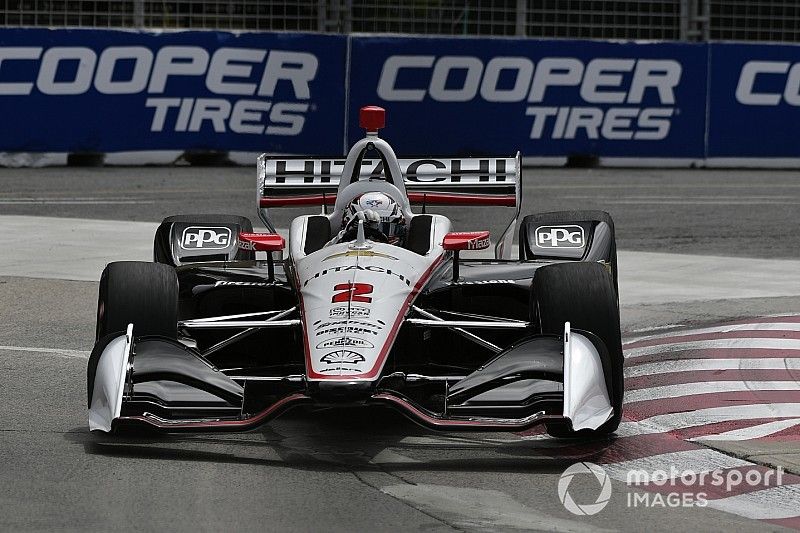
x=202 y=238
x=560 y=237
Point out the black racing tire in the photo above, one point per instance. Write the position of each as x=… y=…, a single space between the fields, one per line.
x=565 y=217
x=582 y=294
x=161 y=245
x=141 y=293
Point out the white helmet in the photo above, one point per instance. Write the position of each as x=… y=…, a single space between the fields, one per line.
x=391 y=221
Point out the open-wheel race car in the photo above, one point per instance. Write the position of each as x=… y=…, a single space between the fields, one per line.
x=368 y=303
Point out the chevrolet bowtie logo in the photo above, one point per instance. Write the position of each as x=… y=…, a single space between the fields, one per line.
x=360 y=253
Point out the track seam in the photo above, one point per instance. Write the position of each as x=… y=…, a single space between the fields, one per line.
x=406 y=503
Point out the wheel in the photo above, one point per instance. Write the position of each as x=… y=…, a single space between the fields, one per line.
x=145 y=294
x=582 y=294
x=162 y=248
x=603 y=243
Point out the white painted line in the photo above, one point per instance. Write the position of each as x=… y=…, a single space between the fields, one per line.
x=707 y=387
x=769 y=504
x=694 y=365
x=80 y=354
x=748 y=344
x=702 y=417
x=763 y=326
x=673 y=421
x=481 y=509
x=753 y=432
x=68 y=201
x=699 y=460
x=702 y=202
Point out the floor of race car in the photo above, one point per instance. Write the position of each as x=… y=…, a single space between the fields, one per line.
x=700 y=396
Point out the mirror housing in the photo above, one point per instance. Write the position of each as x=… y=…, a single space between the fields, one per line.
x=261 y=242
x=466 y=240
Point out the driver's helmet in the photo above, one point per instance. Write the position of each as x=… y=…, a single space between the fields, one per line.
x=392 y=222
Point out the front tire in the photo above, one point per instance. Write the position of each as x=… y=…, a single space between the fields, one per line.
x=584 y=295
x=144 y=294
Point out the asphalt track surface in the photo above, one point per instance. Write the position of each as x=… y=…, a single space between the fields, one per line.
x=342 y=470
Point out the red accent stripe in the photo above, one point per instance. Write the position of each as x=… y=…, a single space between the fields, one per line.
x=719 y=427
x=743 y=334
x=788 y=434
x=443 y=198
x=435 y=422
x=683 y=404
x=677 y=378
x=222 y=425
x=384 y=353
x=714 y=353
x=791 y=523
x=299 y=200
x=767 y=319
x=416 y=197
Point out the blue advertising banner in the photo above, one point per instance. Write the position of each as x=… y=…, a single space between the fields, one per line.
x=754 y=101
x=101 y=90
x=544 y=98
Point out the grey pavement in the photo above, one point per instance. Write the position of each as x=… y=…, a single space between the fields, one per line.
x=342 y=470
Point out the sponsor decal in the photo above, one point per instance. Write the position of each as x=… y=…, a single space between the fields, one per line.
x=479 y=244
x=243 y=79
x=328 y=171
x=360 y=253
x=205 y=238
x=247 y=245
x=341 y=342
x=372 y=324
x=346 y=330
x=620 y=82
x=570 y=236
x=373 y=203
x=352 y=311
x=348 y=327
x=768 y=83
x=342 y=357
x=368 y=268
x=244 y=284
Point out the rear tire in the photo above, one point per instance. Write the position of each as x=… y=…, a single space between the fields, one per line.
x=144 y=294
x=582 y=294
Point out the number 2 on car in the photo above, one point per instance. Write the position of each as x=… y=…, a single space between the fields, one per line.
x=352 y=292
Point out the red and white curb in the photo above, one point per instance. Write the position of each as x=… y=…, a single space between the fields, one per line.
x=732 y=382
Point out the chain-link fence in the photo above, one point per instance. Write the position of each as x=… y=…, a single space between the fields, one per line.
x=742 y=20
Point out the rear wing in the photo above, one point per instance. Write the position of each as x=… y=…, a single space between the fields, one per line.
x=474 y=181
x=489 y=181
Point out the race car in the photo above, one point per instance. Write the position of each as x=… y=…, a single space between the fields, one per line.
x=370 y=302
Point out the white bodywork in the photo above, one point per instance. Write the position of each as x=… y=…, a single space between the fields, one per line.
x=109 y=382
x=586 y=400
x=354 y=298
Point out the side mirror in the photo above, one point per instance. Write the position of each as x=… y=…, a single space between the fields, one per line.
x=466 y=240
x=261 y=242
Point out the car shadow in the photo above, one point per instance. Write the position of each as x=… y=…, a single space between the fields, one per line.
x=344 y=439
